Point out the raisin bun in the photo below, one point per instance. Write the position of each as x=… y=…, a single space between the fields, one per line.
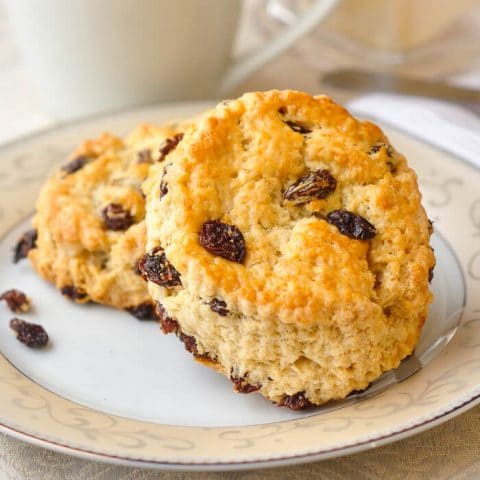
x=89 y=228
x=287 y=247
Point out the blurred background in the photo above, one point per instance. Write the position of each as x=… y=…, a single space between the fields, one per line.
x=434 y=38
x=438 y=40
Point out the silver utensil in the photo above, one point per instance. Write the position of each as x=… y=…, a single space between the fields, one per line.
x=367 y=81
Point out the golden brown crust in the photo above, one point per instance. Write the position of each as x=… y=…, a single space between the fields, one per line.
x=301 y=274
x=75 y=247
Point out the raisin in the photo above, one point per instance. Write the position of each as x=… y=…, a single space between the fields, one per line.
x=191 y=346
x=430 y=274
x=157 y=269
x=282 y=110
x=375 y=148
x=219 y=306
x=169 y=145
x=73 y=293
x=16 y=300
x=163 y=183
x=223 y=240
x=25 y=243
x=296 y=127
x=143 y=311
x=189 y=342
x=388 y=148
x=298 y=401
x=351 y=224
x=378 y=146
x=76 y=164
x=167 y=324
x=430 y=226
x=31 y=334
x=314 y=185
x=115 y=217
x=392 y=167
x=144 y=156
x=240 y=385
x=163 y=188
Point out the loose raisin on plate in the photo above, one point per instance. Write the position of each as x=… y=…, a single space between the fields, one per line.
x=240 y=385
x=31 y=334
x=298 y=401
x=223 y=240
x=169 y=145
x=72 y=292
x=168 y=324
x=115 y=217
x=351 y=224
x=16 y=300
x=219 y=306
x=155 y=268
x=76 y=164
x=25 y=243
x=144 y=156
x=143 y=311
x=296 y=127
x=314 y=185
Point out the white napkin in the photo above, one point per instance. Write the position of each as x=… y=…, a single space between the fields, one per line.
x=443 y=124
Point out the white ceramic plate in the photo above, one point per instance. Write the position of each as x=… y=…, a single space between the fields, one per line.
x=113 y=388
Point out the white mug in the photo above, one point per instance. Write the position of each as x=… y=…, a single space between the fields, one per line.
x=89 y=56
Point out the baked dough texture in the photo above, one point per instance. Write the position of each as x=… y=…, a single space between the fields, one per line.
x=311 y=313
x=87 y=256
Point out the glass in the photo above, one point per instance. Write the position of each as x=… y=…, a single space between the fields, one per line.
x=432 y=37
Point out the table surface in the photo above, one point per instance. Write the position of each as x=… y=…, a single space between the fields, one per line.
x=450 y=450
